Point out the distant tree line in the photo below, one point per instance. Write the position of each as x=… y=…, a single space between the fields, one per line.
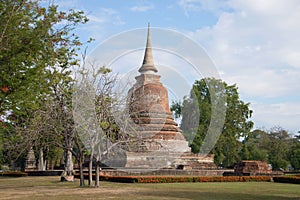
x=237 y=140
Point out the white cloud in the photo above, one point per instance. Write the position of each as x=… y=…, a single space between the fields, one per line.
x=256 y=45
x=96 y=19
x=142 y=8
x=214 y=6
x=66 y=4
x=112 y=16
x=100 y=21
x=279 y=114
x=189 y=5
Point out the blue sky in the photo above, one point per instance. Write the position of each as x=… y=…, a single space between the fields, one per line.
x=253 y=43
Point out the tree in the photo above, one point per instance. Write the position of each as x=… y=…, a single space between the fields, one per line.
x=254 y=146
x=275 y=146
x=34 y=41
x=94 y=99
x=206 y=94
x=294 y=154
x=38 y=47
x=280 y=142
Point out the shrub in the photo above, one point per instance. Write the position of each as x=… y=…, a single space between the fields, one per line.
x=287 y=179
x=179 y=179
x=14 y=174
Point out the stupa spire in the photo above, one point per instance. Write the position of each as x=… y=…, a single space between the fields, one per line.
x=148 y=62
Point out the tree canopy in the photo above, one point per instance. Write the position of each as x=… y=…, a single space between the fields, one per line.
x=38 y=48
x=237 y=122
x=237 y=140
x=275 y=146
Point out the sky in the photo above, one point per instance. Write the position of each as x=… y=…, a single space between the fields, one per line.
x=254 y=44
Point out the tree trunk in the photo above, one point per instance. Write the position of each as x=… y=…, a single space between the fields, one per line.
x=80 y=159
x=90 y=170
x=68 y=174
x=68 y=162
x=41 y=164
x=69 y=167
x=97 y=176
x=80 y=163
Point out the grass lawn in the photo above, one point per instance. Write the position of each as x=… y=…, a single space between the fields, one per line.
x=51 y=188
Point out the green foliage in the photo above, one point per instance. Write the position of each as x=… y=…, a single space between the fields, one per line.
x=38 y=47
x=197 y=115
x=276 y=146
x=237 y=141
x=294 y=154
x=176 y=108
x=33 y=40
x=287 y=179
x=295 y=158
x=253 y=148
x=279 y=148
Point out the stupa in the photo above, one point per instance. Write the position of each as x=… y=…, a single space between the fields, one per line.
x=159 y=139
x=30 y=163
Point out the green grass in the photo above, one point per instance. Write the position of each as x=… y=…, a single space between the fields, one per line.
x=51 y=188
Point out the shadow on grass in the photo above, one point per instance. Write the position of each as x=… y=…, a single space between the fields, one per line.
x=211 y=195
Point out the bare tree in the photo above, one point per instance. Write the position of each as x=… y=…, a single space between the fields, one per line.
x=92 y=106
x=103 y=118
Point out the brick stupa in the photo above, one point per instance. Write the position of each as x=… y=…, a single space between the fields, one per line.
x=161 y=140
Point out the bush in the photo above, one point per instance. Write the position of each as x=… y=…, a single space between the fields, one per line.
x=13 y=174
x=179 y=179
x=287 y=179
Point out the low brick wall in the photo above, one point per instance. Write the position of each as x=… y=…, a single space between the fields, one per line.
x=45 y=173
x=162 y=172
